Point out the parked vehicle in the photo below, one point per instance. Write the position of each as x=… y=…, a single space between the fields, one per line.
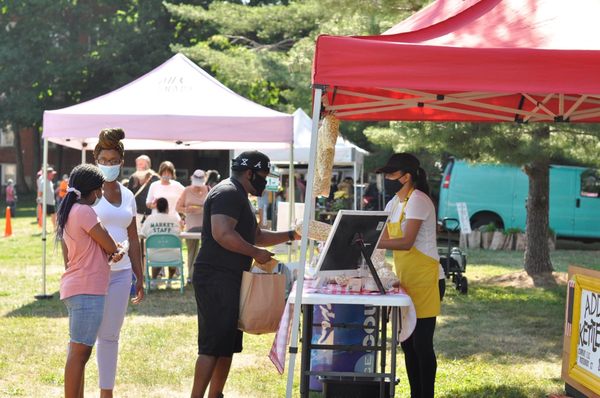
x=498 y=193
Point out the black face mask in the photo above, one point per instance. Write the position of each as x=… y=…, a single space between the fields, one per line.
x=393 y=186
x=259 y=183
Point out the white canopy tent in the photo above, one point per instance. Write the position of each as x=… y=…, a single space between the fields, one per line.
x=346 y=153
x=175 y=106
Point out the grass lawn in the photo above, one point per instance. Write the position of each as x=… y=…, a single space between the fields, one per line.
x=497 y=341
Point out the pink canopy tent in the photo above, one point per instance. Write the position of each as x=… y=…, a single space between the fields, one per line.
x=460 y=60
x=175 y=106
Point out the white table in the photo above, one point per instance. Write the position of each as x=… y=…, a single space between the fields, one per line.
x=190 y=235
x=384 y=302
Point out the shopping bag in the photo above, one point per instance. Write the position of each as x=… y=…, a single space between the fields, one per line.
x=262 y=301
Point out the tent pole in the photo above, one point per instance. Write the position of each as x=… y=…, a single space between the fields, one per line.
x=44 y=295
x=308 y=211
x=292 y=196
x=83 y=153
x=354 y=184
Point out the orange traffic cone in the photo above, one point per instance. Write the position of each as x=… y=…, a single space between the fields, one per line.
x=39 y=215
x=8 y=227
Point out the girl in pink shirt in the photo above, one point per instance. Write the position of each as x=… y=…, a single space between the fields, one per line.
x=86 y=247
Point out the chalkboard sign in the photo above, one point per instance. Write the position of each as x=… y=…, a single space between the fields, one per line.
x=581 y=341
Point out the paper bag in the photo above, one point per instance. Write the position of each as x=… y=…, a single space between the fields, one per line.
x=268 y=267
x=262 y=301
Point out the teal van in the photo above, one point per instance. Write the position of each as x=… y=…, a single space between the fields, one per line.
x=497 y=193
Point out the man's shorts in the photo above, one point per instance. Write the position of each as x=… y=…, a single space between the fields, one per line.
x=218 y=303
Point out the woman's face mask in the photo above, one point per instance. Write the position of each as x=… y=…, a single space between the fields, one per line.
x=393 y=183
x=198 y=182
x=111 y=173
x=166 y=177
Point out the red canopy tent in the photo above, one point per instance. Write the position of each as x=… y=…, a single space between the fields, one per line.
x=472 y=60
x=460 y=60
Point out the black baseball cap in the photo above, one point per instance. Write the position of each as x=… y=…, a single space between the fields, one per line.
x=251 y=160
x=400 y=161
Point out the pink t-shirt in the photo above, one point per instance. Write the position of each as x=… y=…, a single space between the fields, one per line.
x=87 y=270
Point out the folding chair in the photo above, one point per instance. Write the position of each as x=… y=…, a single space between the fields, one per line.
x=154 y=258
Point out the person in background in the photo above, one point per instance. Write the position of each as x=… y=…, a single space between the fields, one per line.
x=300 y=191
x=116 y=210
x=161 y=222
x=83 y=286
x=230 y=240
x=61 y=191
x=212 y=178
x=139 y=184
x=50 y=200
x=411 y=235
x=11 y=197
x=191 y=204
x=167 y=188
x=262 y=205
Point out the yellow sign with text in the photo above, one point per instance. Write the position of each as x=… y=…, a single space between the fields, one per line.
x=581 y=341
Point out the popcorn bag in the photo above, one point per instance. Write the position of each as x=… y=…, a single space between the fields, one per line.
x=328 y=134
x=317 y=230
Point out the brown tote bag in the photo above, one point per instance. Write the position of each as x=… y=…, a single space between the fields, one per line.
x=262 y=301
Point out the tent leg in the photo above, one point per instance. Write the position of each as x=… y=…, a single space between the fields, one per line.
x=308 y=212
x=44 y=295
x=354 y=185
x=83 y=155
x=292 y=197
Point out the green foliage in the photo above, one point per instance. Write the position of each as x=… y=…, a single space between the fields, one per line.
x=265 y=52
x=494 y=142
x=491 y=227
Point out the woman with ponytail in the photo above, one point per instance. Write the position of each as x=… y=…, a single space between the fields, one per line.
x=86 y=247
x=411 y=235
x=117 y=211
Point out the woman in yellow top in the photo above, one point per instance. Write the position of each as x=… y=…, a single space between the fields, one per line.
x=411 y=235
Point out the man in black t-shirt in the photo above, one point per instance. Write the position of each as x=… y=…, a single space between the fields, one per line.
x=230 y=237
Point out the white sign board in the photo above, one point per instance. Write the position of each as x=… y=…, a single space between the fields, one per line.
x=463 y=218
x=283 y=214
x=588 y=345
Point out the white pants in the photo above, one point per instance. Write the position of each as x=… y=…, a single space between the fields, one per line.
x=107 y=344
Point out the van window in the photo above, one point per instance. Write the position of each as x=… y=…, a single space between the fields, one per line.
x=590 y=183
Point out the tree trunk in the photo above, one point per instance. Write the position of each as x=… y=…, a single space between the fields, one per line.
x=23 y=187
x=537 y=253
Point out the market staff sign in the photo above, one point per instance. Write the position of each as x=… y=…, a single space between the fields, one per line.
x=581 y=342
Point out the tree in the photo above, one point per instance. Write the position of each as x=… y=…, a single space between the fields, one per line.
x=264 y=51
x=531 y=146
x=56 y=53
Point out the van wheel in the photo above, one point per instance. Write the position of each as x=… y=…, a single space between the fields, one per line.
x=483 y=219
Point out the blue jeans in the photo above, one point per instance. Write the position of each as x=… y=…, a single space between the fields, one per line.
x=85 y=317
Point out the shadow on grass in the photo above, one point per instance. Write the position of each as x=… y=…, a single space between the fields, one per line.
x=50 y=308
x=157 y=303
x=496 y=391
x=502 y=323
x=167 y=302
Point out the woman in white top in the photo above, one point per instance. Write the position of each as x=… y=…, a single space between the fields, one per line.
x=167 y=188
x=116 y=210
x=411 y=235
